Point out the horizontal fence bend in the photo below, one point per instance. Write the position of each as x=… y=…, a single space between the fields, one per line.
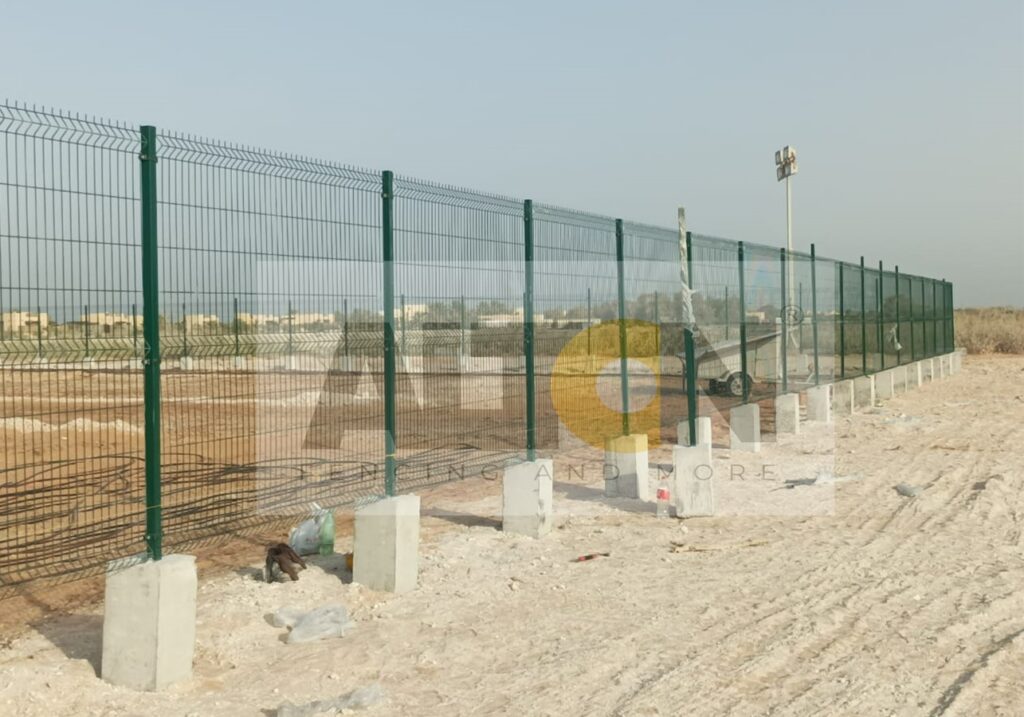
x=205 y=345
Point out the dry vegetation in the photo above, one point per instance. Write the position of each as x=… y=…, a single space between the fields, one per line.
x=995 y=330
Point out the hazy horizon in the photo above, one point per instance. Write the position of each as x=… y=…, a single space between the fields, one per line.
x=908 y=119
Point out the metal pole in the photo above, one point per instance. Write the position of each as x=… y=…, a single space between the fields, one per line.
x=184 y=331
x=842 y=324
x=87 y=351
x=151 y=337
x=743 y=328
x=135 y=331
x=783 y=320
x=935 y=333
x=896 y=334
x=403 y=323
x=462 y=329
x=291 y=329
x=623 y=344
x=657 y=327
x=690 y=354
x=881 y=312
x=531 y=398
x=924 y=337
x=590 y=321
x=39 y=332
x=344 y=328
x=238 y=329
x=863 y=323
x=387 y=196
x=814 y=316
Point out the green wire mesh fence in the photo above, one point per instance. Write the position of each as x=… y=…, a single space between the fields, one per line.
x=324 y=333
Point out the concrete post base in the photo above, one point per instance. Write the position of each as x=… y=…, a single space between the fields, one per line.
x=842 y=398
x=149 y=623
x=943 y=362
x=185 y=363
x=863 y=392
x=385 y=553
x=927 y=370
x=703 y=432
x=694 y=480
x=819 y=404
x=527 y=498
x=745 y=428
x=787 y=413
x=915 y=375
x=885 y=385
x=625 y=467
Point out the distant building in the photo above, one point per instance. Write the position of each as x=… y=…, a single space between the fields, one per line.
x=19 y=321
x=109 y=322
x=200 y=321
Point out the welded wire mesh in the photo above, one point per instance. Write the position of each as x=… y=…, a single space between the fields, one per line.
x=272 y=336
x=70 y=384
x=459 y=258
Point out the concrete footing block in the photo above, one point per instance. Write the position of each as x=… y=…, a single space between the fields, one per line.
x=386 y=544
x=943 y=363
x=899 y=379
x=885 y=385
x=703 y=432
x=149 y=623
x=745 y=428
x=927 y=370
x=787 y=413
x=915 y=375
x=842 y=398
x=694 y=480
x=626 y=467
x=527 y=498
x=819 y=404
x=863 y=392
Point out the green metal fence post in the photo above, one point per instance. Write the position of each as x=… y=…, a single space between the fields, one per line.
x=922 y=317
x=344 y=328
x=184 y=331
x=743 y=327
x=814 y=316
x=135 y=331
x=784 y=324
x=291 y=329
x=151 y=336
x=842 y=323
x=531 y=395
x=462 y=328
x=935 y=323
x=863 y=323
x=590 y=322
x=388 y=234
x=689 y=353
x=237 y=328
x=402 y=309
x=896 y=334
x=88 y=352
x=623 y=341
x=879 y=313
x=39 y=332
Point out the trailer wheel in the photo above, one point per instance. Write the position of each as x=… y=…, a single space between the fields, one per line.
x=734 y=384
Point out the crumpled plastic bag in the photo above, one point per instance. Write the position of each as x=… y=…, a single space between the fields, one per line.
x=308 y=626
x=305 y=539
x=356 y=700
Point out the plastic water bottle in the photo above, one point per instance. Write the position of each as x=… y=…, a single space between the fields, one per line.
x=327 y=533
x=663 y=497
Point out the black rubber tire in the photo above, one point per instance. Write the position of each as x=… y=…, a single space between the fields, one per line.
x=734 y=384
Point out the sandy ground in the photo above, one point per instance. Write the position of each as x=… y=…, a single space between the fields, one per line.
x=839 y=598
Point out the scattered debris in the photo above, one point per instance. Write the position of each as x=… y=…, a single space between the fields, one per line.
x=356 y=700
x=305 y=539
x=590 y=556
x=908 y=491
x=694 y=548
x=318 y=624
x=282 y=555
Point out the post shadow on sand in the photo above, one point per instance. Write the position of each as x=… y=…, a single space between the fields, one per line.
x=79 y=637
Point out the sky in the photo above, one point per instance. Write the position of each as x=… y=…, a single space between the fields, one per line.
x=908 y=117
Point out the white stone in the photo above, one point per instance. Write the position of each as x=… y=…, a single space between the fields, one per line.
x=694 y=480
x=626 y=467
x=863 y=392
x=527 y=498
x=842 y=398
x=819 y=404
x=745 y=428
x=386 y=544
x=787 y=413
x=149 y=623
